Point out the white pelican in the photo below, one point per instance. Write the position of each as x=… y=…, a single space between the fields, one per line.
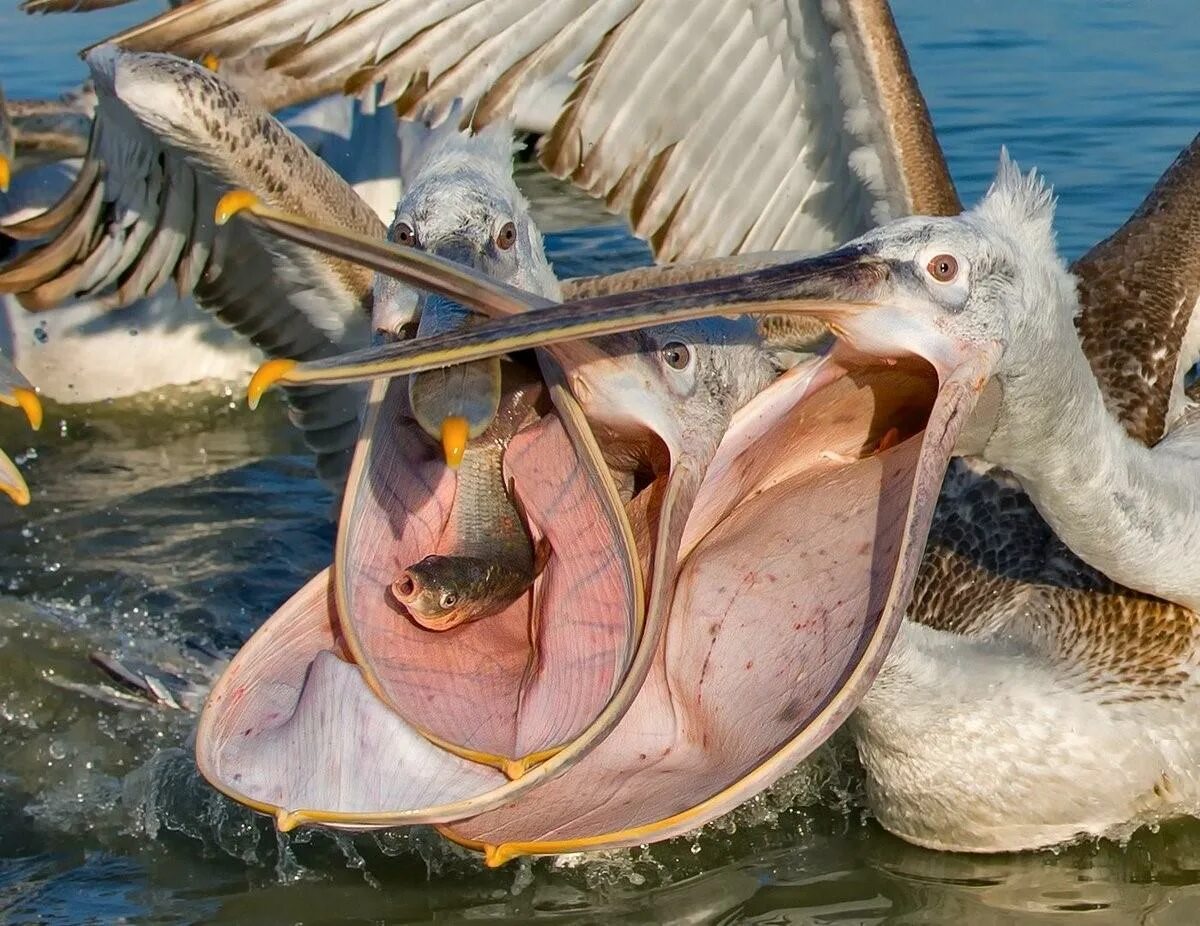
x=1029 y=698
x=69 y=353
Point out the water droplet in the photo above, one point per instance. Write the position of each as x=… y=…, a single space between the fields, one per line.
x=57 y=750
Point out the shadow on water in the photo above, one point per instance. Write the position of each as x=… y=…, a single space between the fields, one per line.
x=165 y=534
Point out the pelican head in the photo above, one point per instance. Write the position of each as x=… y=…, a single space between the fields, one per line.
x=943 y=288
x=463 y=206
x=681 y=383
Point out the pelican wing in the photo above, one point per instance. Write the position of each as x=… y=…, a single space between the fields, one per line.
x=169 y=139
x=1138 y=291
x=717 y=126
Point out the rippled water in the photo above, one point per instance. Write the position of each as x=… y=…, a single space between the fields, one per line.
x=168 y=537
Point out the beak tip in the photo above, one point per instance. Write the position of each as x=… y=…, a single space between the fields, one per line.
x=5 y=174
x=265 y=377
x=31 y=405
x=17 y=491
x=232 y=203
x=211 y=61
x=496 y=855
x=455 y=432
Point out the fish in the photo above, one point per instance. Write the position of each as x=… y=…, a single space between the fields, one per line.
x=492 y=558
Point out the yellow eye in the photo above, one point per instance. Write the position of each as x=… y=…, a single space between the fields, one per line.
x=676 y=355
x=943 y=268
x=507 y=236
x=405 y=235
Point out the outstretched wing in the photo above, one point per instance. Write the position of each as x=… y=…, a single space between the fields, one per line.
x=169 y=138
x=1138 y=292
x=717 y=126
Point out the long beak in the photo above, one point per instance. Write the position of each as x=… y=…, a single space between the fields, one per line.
x=826 y=288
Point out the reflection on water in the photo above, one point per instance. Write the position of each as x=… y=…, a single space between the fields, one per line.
x=166 y=536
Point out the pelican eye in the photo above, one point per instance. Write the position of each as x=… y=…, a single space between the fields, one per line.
x=406 y=235
x=507 y=236
x=448 y=600
x=676 y=355
x=943 y=268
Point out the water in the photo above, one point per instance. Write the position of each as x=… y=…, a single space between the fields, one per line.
x=167 y=537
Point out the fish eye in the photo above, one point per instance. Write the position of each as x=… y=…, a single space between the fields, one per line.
x=448 y=600
x=406 y=235
x=943 y=268
x=676 y=355
x=507 y=236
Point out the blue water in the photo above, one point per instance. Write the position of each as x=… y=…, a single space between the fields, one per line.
x=166 y=537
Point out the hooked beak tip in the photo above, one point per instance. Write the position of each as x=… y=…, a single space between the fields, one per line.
x=455 y=431
x=494 y=856
x=5 y=174
x=211 y=61
x=18 y=493
x=265 y=377
x=232 y=203
x=28 y=401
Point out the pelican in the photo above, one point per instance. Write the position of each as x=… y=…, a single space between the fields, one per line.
x=841 y=135
x=1020 y=651
x=68 y=352
x=888 y=155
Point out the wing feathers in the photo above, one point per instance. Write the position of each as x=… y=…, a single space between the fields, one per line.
x=717 y=125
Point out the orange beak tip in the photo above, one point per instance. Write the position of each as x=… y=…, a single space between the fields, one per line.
x=211 y=61
x=5 y=174
x=30 y=404
x=265 y=377
x=494 y=856
x=18 y=493
x=232 y=203
x=455 y=432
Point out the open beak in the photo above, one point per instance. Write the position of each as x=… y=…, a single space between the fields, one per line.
x=781 y=569
x=345 y=711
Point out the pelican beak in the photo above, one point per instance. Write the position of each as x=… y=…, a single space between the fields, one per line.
x=780 y=571
x=797 y=564
x=831 y=288
x=344 y=711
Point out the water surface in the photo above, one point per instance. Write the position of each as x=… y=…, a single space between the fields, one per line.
x=169 y=537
